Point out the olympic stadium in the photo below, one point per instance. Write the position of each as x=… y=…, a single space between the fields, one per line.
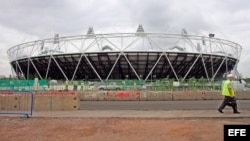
x=139 y=55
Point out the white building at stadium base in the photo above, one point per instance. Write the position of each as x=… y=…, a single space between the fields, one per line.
x=138 y=55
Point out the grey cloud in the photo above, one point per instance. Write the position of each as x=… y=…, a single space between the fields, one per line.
x=37 y=18
x=170 y=16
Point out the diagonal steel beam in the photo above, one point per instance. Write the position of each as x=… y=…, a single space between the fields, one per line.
x=35 y=69
x=90 y=45
x=153 y=67
x=134 y=41
x=218 y=69
x=131 y=66
x=172 y=67
x=20 y=68
x=204 y=65
x=191 y=66
x=28 y=69
x=59 y=67
x=113 y=66
x=111 y=43
x=92 y=67
x=77 y=67
x=47 y=72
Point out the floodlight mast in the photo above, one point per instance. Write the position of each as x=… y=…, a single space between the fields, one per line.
x=212 y=66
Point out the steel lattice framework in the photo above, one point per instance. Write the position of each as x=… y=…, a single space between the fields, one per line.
x=137 y=55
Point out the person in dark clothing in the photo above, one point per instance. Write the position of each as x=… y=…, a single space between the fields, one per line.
x=229 y=95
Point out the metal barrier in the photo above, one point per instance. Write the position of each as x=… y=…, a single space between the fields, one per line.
x=16 y=103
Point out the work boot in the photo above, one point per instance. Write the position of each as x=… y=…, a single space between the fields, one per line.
x=220 y=110
x=235 y=109
x=236 y=112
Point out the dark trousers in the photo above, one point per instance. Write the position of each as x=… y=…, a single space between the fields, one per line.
x=229 y=101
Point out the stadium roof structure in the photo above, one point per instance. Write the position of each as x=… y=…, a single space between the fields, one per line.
x=138 y=55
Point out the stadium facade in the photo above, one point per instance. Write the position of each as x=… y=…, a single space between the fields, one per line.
x=138 y=55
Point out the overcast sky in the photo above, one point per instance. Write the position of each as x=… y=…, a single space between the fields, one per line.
x=27 y=20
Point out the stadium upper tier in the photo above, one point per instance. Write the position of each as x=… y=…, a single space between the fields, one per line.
x=137 y=55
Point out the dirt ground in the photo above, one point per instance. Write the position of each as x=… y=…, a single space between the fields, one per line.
x=114 y=129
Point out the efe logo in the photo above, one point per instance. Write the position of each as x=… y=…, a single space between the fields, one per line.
x=236 y=132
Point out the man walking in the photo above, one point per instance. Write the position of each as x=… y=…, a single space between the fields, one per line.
x=228 y=93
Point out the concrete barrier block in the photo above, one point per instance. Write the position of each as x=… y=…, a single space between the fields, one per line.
x=90 y=95
x=109 y=95
x=166 y=96
x=159 y=95
x=2 y=101
x=122 y=95
x=69 y=103
x=25 y=102
x=81 y=95
x=213 y=95
x=101 y=96
x=180 y=96
x=42 y=103
x=197 y=95
x=152 y=96
x=143 y=95
x=188 y=95
x=243 y=95
x=57 y=103
x=14 y=102
x=9 y=102
x=136 y=95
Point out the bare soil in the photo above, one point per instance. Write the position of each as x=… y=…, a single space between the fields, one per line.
x=114 y=129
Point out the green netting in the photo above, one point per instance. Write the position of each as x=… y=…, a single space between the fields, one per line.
x=20 y=84
x=126 y=82
x=156 y=85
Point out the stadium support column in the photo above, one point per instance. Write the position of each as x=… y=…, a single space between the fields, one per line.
x=218 y=68
x=114 y=66
x=212 y=66
x=131 y=66
x=169 y=62
x=191 y=66
x=35 y=68
x=93 y=68
x=150 y=73
x=78 y=63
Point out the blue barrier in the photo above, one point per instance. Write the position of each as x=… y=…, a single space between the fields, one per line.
x=16 y=103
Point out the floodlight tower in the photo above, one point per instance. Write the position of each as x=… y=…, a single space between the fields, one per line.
x=212 y=66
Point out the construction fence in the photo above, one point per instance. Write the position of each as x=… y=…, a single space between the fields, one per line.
x=16 y=103
x=22 y=85
x=157 y=85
